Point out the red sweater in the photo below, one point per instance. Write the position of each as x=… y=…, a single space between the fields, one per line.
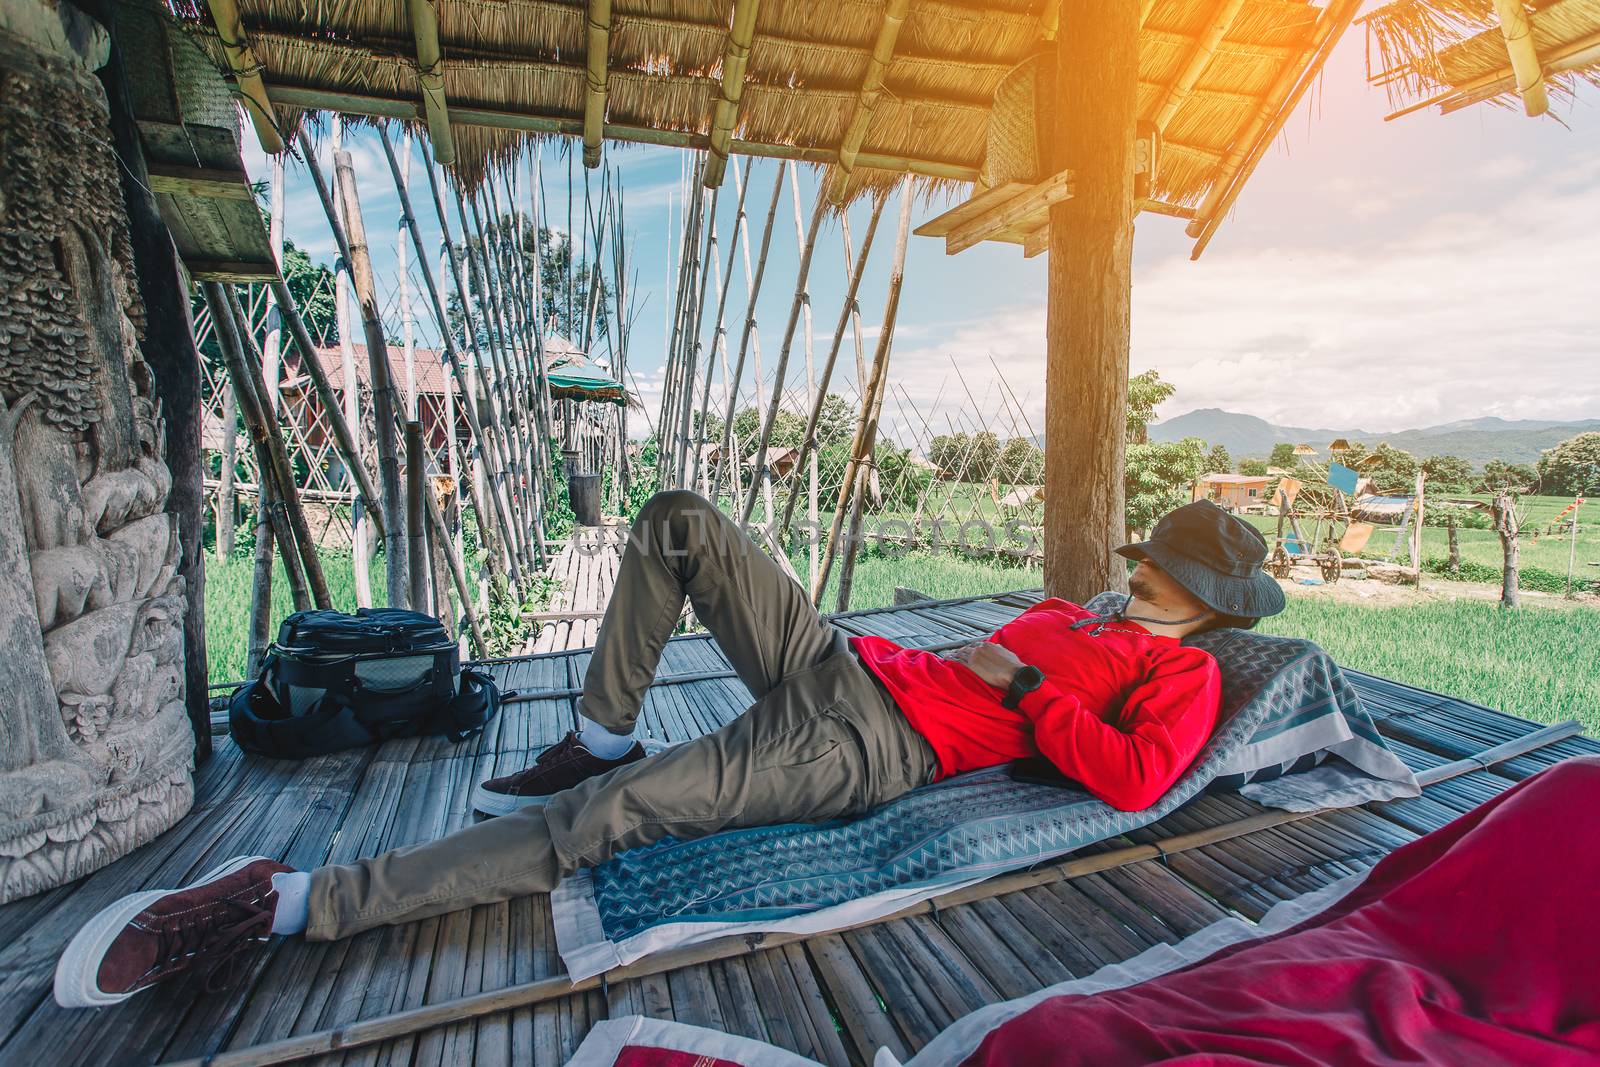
x=1123 y=713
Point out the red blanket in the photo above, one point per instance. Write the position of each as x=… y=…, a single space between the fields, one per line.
x=1477 y=944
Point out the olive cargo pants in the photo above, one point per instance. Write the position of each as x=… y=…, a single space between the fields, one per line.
x=822 y=740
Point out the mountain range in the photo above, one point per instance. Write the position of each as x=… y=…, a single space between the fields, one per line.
x=1475 y=440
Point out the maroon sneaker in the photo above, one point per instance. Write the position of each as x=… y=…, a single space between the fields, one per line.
x=561 y=766
x=159 y=934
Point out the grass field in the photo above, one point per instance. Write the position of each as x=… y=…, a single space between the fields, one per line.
x=1483 y=546
x=1542 y=662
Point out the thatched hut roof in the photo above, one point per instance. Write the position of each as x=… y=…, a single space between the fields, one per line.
x=811 y=90
x=1454 y=53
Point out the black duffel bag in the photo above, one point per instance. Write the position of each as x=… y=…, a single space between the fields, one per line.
x=333 y=681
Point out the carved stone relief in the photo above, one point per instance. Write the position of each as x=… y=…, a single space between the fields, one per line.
x=95 y=748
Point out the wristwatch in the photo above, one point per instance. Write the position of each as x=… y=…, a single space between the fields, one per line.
x=1025 y=681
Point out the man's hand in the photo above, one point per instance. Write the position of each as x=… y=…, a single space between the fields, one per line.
x=993 y=663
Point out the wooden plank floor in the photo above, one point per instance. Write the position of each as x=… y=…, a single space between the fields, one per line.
x=586 y=568
x=835 y=997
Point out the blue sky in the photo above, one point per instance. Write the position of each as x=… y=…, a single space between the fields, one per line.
x=1374 y=275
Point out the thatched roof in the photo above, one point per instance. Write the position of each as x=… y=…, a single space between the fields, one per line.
x=1453 y=53
x=811 y=90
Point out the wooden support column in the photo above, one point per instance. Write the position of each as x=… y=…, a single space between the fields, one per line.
x=595 y=79
x=1516 y=25
x=735 y=58
x=247 y=73
x=382 y=388
x=894 y=16
x=430 y=72
x=1091 y=273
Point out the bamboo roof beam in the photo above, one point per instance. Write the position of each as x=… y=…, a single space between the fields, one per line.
x=1205 y=48
x=1569 y=56
x=430 y=72
x=529 y=122
x=735 y=58
x=596 y=80
x=247 y=73
x=894 y=17
x=1516 y=25
x=1276 y=106
x=1144 y=11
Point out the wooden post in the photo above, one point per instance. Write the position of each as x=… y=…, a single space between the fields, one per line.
x=272 y=346
x=260 y=630
x=416 y=536
x=383 y=405
x=1451 y=524
x=1091 y=257
x=1572 y=551
x=758 y=470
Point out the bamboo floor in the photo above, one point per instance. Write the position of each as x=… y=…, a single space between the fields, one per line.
x=834 y=997
x=586 y=568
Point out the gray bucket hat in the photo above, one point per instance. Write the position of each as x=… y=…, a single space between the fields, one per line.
x=1215 y=556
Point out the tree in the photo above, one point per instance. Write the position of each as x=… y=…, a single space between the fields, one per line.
x=1283 y=456
x=1218 y=461
x=1450 y=474
x=1392 y=470
x=1021 y=462
x=837 y=422
x=1159 y=477
x=1256 y=468
x=1573 y=466
x=1145 y=393
x=1498 y=474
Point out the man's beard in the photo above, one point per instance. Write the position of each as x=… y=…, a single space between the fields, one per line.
x=1140 y=588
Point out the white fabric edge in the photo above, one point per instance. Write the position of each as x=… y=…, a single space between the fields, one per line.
x=581 y=939
x=1321 y=733
x=1330 y=785
x=606 y=1041
x=958 y=1040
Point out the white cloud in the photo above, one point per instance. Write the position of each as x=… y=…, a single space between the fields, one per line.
x=1446 y=317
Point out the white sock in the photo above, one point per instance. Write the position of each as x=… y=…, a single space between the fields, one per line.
x=602 y=742
x=294 y=902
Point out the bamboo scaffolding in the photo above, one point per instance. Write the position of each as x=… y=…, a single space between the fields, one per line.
x=759 y=469
x=258 y=428
x=692 y=346
x=540 y=991
x=748 y=341
x=493 y=519
x=383 y=401
x=863 y=459
x=688 y=265
x=531 y=368
x=724 y=285
x=808 y=444
x=286 y=492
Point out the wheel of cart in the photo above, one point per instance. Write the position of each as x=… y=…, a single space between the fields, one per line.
x=1331 y=564
x=1280 y=563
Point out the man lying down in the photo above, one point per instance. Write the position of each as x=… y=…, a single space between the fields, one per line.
x=839 y=726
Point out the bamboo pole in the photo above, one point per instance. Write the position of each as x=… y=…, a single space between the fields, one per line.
x=457 y=575
x=227 y=330
x=343 y=437
x=677 y=345
x=383 y=405
x=1199 y=58
x=851 y=308
x=416 y=536
x=493 y=519
x=758 y=469
x=692 y=342
x=1074 y=866
x=271 y=368
x=227 y=496
x=596 y=72
x=735 y=58
x=858 y=470
x=531 y=369
x=430 y=73
x=247 y=73
x=718 y=332
x=894 y=17
x=1516 y=26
